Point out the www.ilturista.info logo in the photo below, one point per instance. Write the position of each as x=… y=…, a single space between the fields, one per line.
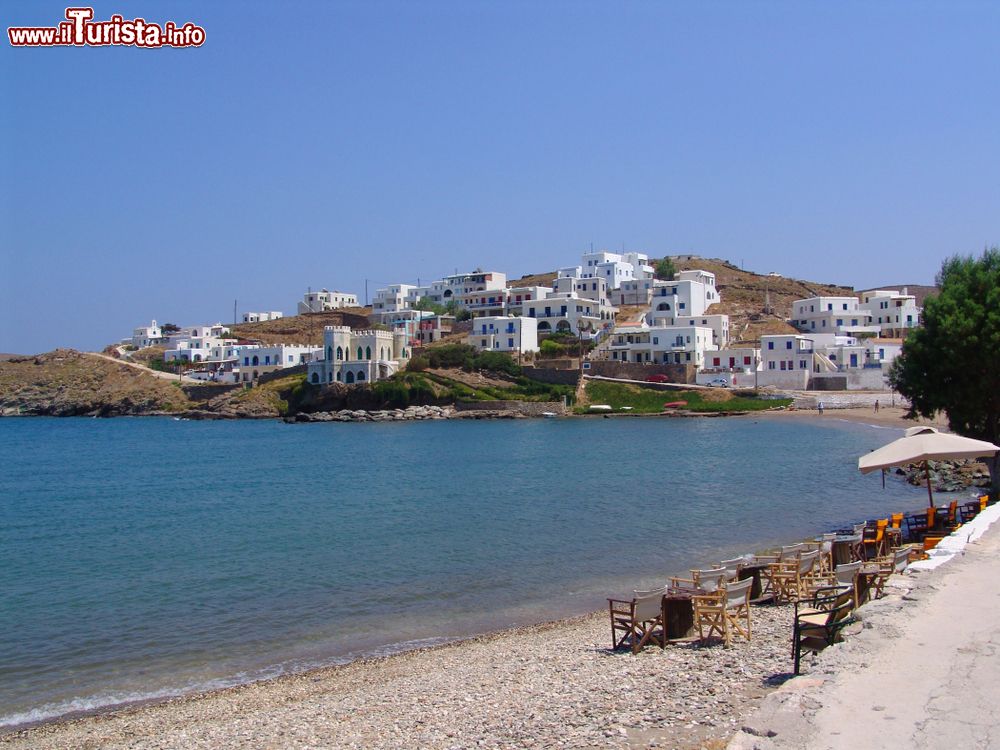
x=80 y=30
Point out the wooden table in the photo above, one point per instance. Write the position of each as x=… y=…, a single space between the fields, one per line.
x=756 y=588
x=678 y=612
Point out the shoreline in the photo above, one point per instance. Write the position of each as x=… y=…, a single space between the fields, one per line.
x=573 y=650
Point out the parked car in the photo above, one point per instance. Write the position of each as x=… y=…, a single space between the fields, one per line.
x=719 y=383
x=657 y=379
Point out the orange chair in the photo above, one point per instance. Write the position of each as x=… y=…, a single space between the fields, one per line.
x=982 y=502
x=875 y=539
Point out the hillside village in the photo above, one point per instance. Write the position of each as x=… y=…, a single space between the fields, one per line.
x=683 y=319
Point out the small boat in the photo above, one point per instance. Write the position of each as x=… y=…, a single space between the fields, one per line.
x=549 y=414
x=599 y=407
x=674 y=404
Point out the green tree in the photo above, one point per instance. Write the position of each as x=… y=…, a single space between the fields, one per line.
x=665 y=269
x=426 y=304
x=952 y=363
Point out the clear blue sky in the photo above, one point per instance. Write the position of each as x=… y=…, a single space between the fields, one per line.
x=322 y=144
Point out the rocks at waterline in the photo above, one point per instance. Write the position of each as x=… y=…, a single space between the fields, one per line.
x=948 y=476
x=385 y=415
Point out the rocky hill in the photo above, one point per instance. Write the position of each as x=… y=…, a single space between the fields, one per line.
x=301 y=329
x=745 y=294
x=65 y=382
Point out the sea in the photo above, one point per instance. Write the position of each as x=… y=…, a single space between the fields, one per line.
x=142 y=558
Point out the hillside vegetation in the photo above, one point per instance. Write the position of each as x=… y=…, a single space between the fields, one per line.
x=640 y=400
x=65 y=382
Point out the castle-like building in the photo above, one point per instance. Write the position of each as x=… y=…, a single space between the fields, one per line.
x=359 y=356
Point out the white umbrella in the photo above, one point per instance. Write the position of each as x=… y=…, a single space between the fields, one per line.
x=923 y=444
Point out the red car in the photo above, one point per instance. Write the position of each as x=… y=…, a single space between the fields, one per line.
x=657 y=379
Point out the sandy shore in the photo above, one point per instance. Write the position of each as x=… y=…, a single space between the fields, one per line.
x=886 y=416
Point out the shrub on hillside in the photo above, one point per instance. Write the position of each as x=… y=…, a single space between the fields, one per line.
x=450 y=355
x=496 y=362
x=418 y=364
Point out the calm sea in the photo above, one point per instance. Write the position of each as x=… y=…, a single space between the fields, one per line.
x=148 y=557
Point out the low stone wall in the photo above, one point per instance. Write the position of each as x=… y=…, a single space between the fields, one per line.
x=640 y=371
x=552 y=376
x=527 y=408
x=207 y=392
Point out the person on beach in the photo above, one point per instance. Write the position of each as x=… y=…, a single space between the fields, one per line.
x=876 y=406
x=819 y=407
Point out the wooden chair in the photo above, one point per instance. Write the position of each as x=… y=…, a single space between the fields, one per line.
x=792 y=579
x=732 y=568
x=639 y=621
x=916 y=527
x=951 y=519
x=708 y=579
x=970 y=510
x=843 y=578
x=874 y=539
x=724 y=613
x=818 y=625
x=892 y=564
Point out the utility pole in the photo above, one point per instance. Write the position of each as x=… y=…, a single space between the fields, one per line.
x=235 y=321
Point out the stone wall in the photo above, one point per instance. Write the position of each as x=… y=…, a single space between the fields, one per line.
x=527 y=408
x=640 y=371
x=552 y=376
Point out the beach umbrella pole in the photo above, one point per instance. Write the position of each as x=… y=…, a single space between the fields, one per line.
x=927 y=474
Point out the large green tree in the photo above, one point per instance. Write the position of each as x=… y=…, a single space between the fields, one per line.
x=952 y=363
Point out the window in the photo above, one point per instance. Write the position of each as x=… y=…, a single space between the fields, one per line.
x=716 y=361
x=770 y=365
x=510 y=343
x=840 y=321
x=788 y=344
x=656 y=339
x=746 y=360
x=782 y=364
x=360 y=353
x=802 y=364
x=770 y=344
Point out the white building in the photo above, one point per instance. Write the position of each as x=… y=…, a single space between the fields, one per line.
x=255 y=361
x=195 y=343
x=691 y=293
x=518 y=295
x=718 y=323
x=358 y=356
x=504 y=334
x=144 y=336
x=568 y=312
x=830 y=315
x=593 y=288
x=894 y=313
x=390 y=300
x=735 y=359
x=325 y=300
x=683 y=345
x=614 y=268
x=261 y=317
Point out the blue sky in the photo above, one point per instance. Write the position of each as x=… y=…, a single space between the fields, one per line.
x=322 y=144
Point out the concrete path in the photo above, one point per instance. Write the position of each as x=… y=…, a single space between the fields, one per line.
x=923 y=672
x=148 y=370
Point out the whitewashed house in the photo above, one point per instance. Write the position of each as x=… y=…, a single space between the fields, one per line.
x=568 y=312
x=518 y=295
x=504 y=334
x=682 y=345
x=144 y=336
x=732 y=359
x=195 y=343
x=258 y=360
x=261 y=317
x=358 y=356
x=324 y=299
x=691 y=293
x=391 y=300
x=893 y=312
x=831 y=315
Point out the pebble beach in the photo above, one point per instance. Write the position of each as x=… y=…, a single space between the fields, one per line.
x=556 y=685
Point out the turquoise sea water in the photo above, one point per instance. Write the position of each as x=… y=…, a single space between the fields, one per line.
x=148 y=557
